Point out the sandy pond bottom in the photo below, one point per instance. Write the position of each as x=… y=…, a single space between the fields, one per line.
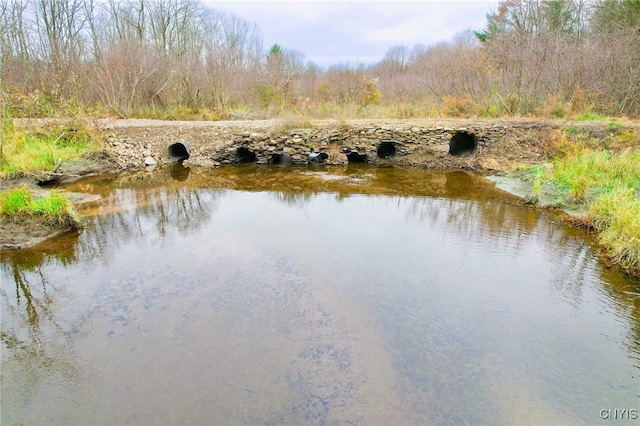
x=264 y=295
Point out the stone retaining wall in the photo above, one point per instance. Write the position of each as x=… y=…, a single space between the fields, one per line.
x=217 y=143
x=371 y=143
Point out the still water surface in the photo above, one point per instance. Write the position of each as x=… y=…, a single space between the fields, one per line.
x=262 y=295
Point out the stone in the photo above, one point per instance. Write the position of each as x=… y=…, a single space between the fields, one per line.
x=149 y=161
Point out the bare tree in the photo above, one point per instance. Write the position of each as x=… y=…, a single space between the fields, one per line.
x=160 y=56
x=396 y=60
x=16 y=61
x=59 y=25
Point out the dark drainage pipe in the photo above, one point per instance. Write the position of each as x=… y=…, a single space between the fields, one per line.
x=283 y=159
x=179 y=151
x=354 y=157
x=318 y=157
x=386 y=150
x=245 y=155
x=463 y=144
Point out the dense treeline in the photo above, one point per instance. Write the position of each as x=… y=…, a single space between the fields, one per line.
x=179 y=58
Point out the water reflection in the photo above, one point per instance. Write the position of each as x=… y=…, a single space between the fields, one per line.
x=36 y=344
x=179 y=172
x=314 y=296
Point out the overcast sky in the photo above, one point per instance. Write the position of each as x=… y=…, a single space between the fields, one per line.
x=328 y=32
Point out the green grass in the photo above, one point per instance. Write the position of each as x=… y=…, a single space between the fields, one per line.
x=53 y=209
x=595 y=172
x=14 y=201
x=588 y=116
x=616 y=217
x=31 y=150
x=607 y=183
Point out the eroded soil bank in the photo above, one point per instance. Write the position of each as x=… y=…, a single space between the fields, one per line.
x=127 y=143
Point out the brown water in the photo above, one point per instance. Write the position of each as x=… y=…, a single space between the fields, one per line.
x=262 y=295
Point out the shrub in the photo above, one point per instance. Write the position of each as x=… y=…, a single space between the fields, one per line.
x=458 y=106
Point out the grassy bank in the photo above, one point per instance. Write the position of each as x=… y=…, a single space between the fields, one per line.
x=602 y=175
x=53 y=209
x=34 y=151
x=41 y=148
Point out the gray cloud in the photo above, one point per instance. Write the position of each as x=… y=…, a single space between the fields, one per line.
x=329 y=32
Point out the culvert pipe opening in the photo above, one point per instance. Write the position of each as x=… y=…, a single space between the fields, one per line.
x=463 y=144
x=354 y=157
x=179 y=151
x=245 y=155
x=283 y=159
x=386 y=150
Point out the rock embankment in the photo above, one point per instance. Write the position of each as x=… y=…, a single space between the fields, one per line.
x=495 y=144
x=417 y=142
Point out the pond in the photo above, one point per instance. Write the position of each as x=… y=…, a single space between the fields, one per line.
x=356 y=295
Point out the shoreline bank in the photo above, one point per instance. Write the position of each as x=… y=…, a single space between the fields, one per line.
x=129 y=142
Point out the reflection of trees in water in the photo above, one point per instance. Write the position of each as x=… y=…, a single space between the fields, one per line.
x=499 y=225
x=144 y=210
x=489 y=220
x=31 y=333
x=158 y=212
x=151 y=207
x=40 y=345
x=573 y=262
x=630 y=302
x=624 y=295
x=292 y=199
